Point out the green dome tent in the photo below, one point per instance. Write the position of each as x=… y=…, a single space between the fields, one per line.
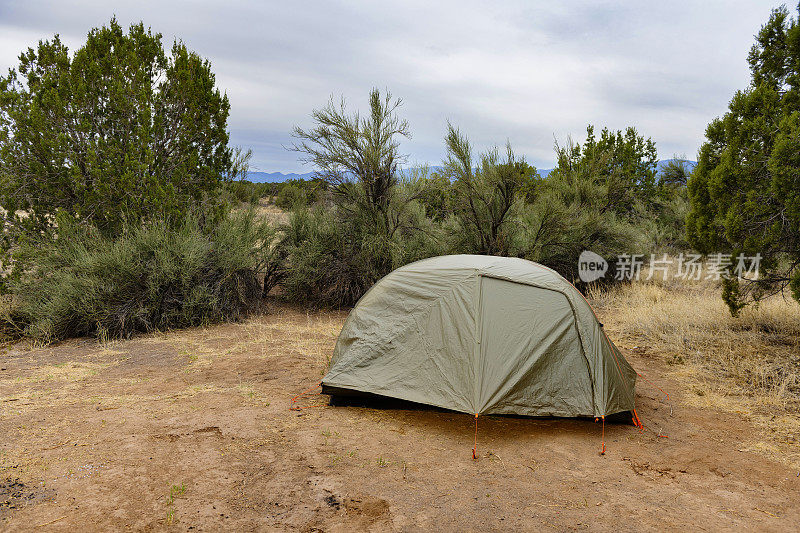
x=481 y=335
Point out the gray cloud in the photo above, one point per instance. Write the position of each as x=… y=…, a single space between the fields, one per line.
x=524 y=71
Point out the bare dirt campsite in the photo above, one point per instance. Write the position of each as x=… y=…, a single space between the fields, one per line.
x=191 y=430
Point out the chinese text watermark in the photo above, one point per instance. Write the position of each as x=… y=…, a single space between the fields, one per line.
x=628 y=267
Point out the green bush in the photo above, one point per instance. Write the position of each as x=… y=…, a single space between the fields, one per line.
x=323 y=263
x=153 y=277
x=436 y=195
x=290 y=196
x=246 y=192
x=487 y=199
x=603 y=196
x=561 y=224
x=299 y=193
x=118 y=131
x=334 y=255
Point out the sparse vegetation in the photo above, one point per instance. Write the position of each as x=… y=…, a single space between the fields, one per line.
x=174 y=492
x=686 y=323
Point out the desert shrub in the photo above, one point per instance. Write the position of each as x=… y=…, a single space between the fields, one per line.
x=418 y=236
x=495 y=204
x=290 y=196
x=325 y=262
x=374 y=221
x=334 y=255
x=501 y=206
x=299 y=193
x=436 y=195
x=486 y=199
x=246 y=192
x=663 y=225
x=663 y=220
x=603 y=197
x=624 y=163
x=560 y=224
x=153 y=277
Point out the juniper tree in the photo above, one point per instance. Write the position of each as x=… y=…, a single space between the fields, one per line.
x=745 y=190
x=624 y=163
x=120 y=130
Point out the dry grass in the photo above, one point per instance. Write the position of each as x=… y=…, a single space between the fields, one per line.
x=749 y=365
x=271 y=212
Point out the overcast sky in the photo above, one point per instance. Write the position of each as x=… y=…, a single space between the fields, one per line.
x=530 y=72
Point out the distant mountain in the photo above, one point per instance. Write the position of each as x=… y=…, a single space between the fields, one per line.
x=278 y=177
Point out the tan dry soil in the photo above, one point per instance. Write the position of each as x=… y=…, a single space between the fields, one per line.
x=191 y=431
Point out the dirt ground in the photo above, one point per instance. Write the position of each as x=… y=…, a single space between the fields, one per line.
x=191 y=431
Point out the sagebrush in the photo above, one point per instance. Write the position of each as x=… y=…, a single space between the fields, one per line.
x=154 y=277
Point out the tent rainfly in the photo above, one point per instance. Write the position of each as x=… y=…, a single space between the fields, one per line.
x=481 y=335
